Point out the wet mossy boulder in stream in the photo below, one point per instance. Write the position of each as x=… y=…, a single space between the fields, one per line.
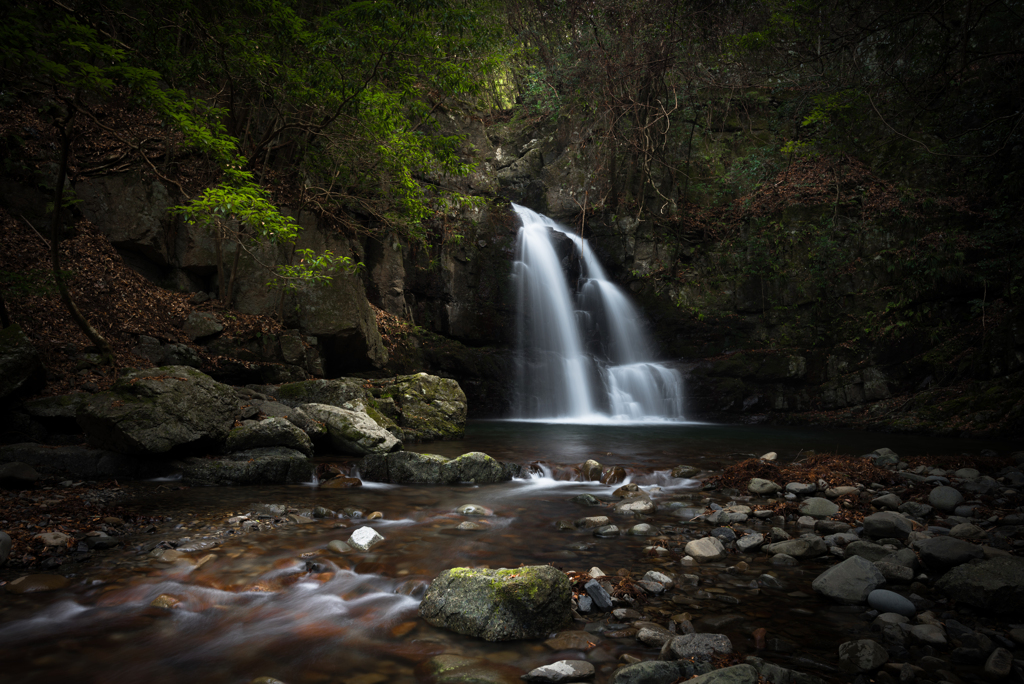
x=269 y=432
x=409 y=467
x=158 y=411
x=352 y=432
x=427 y=406
x=500 y=605
x=331 y=392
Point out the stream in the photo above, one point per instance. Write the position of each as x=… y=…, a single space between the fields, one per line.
x=276 y=602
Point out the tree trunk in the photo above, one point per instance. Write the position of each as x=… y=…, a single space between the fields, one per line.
x=100 y=342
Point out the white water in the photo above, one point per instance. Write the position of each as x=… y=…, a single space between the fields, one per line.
x=584 y=355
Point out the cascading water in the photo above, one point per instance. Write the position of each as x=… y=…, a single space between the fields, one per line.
x=583 y=352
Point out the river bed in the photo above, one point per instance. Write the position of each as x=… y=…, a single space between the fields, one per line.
x=275 y=601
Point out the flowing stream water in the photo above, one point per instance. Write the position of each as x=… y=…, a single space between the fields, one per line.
x=279 y=603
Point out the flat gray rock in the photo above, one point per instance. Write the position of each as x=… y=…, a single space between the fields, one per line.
x=850 y=581
x=947 y=552
x=864 y=655
x=995 y=585
x=945 y=499
x=887 y=524
x=696 y=645
x=817 y=507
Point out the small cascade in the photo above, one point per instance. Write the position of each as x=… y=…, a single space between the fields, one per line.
x=583 y=353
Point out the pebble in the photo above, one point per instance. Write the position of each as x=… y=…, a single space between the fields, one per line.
x=885 y=601
x=561 y=671
x=474 y=509
x=365 y=538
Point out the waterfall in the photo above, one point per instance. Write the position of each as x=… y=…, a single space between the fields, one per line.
x=583 y=352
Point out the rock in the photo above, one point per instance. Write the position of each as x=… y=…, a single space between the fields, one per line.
x=946 y=552
x=478 y=468
x=634 y=506
x=654 y=636
x=351 y=432
x=895 y=573
x=945 y=499
x=607 y=531
x=591 y=470
x=749 y=543
x=338 y=546
x=201 y=324
x=850 y=581
x=31 y=584
x=499 y=605
x=648 y=672
x=799 y=548
x=475 y=510
x=999 y=663
x=17 y=475
x=159 y=410
x=562 y=671
x=660 y=578
x=336 y=392
x=5 y=547
x=705 y=550
x=585 y=500
x=769 y=457
x=887 y=501
x=21 y=370
x=915 y=509
x=365 y=538
x=269 y=432
x=407 y=467
x=887 y=525
x=737 y=674
x=817 y=507
x=864 y=655
x=801 y=488
x=866 y=550
x=696 y=646
x=269 y=465
x=643 y=530
x=885 y=601
x=968 y=531
x=762 y=487
x=929 y=634
x=995 y=585
x=428 y=407
x=601 y=598
x=53 y=538
x=685 y=472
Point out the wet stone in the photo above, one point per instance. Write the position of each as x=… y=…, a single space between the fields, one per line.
x=365 y=538
x=864 y=655
x=885 y=601
x=644 y=530
x=593 y=521
x=338 y=546
x=999 y=663
x=817 y=507
x=575 y=640
x=562 y=671
x=474 y=510
x=607 y=531
x=602 y=599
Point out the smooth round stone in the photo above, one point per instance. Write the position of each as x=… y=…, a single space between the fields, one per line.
x=338 y=546
x=606 y=531
x=685 y=471
x=885 y=601
x=474 y=509
x=472 y=526
x=817 y=507
x=945 y=498
x=31 y=584
x=644 y=530
x=783 y=559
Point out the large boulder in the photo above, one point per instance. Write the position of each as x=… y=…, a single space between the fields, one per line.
x=942 y=553
x=995 y=585
x=159 y=410
x=335 y=392
x=408 y=467
x=500 y=605
x=269 y=432
x=850 y=581
x=21 y=371
x=429 y=407
x=352 y=432
x=272 y=465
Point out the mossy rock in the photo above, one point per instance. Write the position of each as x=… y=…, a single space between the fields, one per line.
x=500 y=605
